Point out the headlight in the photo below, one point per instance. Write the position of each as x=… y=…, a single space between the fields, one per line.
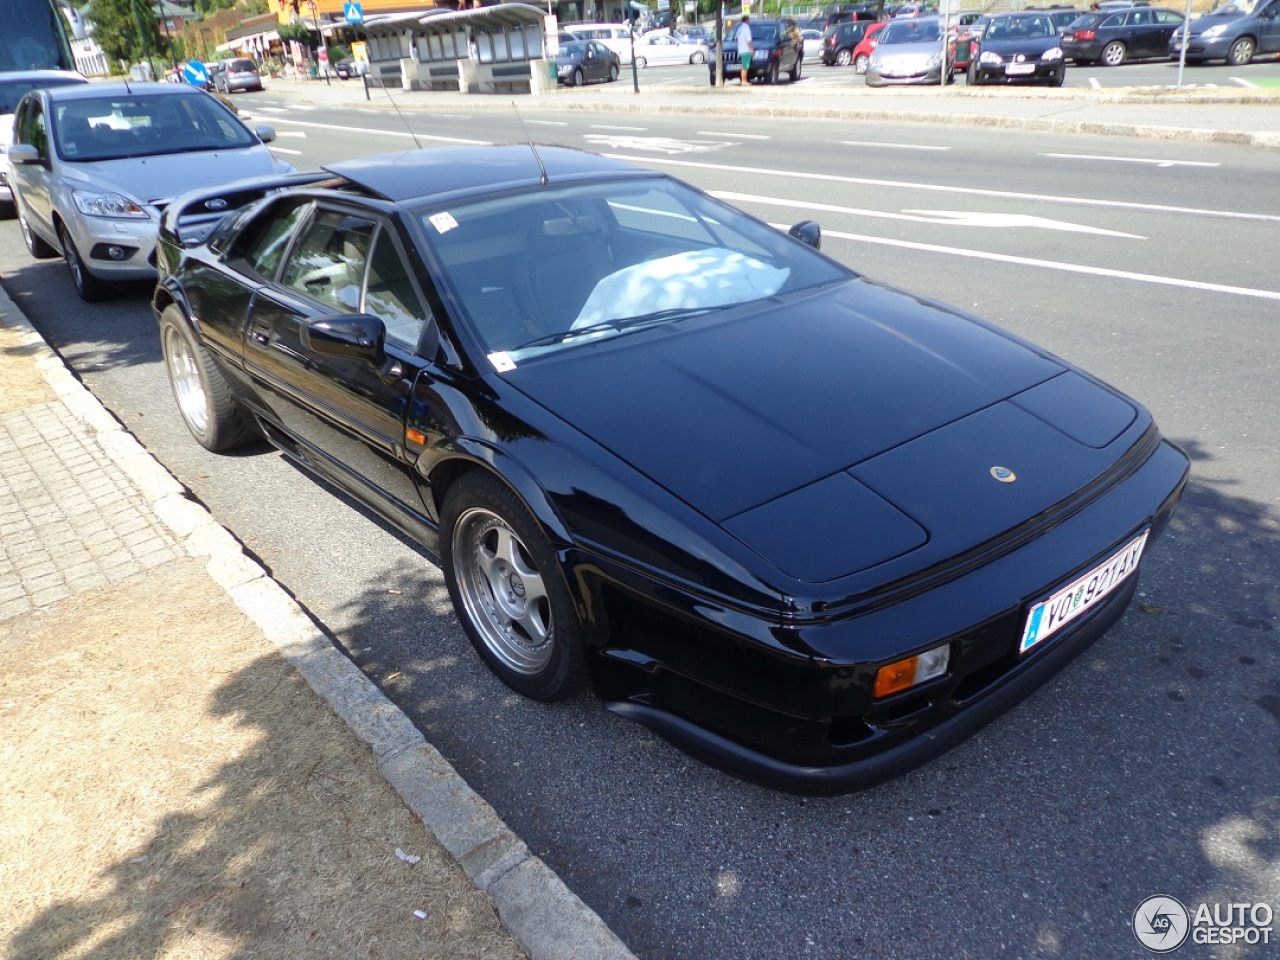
x=991 y=57
x=934 y=61
x=1217 y=31
x=107 y=205
x=874 y=63
x=1052 y=54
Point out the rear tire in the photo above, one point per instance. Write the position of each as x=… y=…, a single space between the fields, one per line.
x=795 y=74
x=697 y=58
x=89 y=287
x=508 y=591
x=641 y=63
x=202 y=392
x=844 y=58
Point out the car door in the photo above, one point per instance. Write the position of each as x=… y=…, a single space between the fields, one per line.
x=345 y=412
x=1140 y=33
x=1269 y=28
x=32 y=182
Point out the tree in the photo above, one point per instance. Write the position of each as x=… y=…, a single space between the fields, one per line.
x=126 y=29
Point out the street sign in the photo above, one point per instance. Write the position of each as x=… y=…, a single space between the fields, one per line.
x=195 y=73
x=352 y=12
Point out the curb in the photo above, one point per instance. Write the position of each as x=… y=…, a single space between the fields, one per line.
x=540 y=912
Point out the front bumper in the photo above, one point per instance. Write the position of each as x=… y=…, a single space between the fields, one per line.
x=1200 y=48
x=1043 y=71
x=766 y=711
x=891 y=78
x=97 y=237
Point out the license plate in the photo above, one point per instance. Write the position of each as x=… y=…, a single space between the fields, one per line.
x=1018 y=69
x=1052 y=614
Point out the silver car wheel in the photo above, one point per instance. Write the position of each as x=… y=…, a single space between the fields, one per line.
x=184 y=375
x=502 y=591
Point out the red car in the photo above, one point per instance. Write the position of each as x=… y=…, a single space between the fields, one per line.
x=862 y=52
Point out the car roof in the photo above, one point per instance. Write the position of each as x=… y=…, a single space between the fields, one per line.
x=32 y=76
x=119 y=88
x=454 y=171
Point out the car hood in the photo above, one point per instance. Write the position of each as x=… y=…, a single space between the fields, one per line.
x=913 y=51
x=158 y=179
x=839 y=430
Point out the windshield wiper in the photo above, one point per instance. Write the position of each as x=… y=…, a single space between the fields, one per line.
x=618 y=325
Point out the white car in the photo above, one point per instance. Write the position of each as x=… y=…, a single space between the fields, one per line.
x=812 y=44
x=92 y=166
x=13 y=87
x=659 y=51
x=615 y=36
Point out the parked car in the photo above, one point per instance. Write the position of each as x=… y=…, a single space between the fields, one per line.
x=657 y=50
x=349 y=67
x=586 y=61
x=867 y=46
x=812 y=43
x=615 y=36
x=850 y=11
x=698 y=34
x=1062 y=16
x=840 y=40
x=92 y=166
x=909 y=53
x=779 y=49
x=1018 y=48
x=1235 y=33
x=13 y=87
x=902 y=519
x=1112 y=38
x=239 y=73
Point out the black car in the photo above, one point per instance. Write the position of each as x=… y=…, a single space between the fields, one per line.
x=779 y=49
x=1112 y=38
x=586 y=61
x=839 y=40
x=1018 y=48
x=811 y=528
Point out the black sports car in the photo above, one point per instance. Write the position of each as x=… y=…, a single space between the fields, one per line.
x=1018 y=48
x=811 y=528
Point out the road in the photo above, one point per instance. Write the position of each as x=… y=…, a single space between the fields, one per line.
x=1148 y=767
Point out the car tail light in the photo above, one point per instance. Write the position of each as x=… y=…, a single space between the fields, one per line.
x=905 y=674
x=1085 y=34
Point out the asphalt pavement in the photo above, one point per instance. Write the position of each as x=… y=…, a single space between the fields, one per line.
x=541 y=913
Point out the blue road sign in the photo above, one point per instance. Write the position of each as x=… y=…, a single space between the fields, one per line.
x=195 y=73
x=353 y=12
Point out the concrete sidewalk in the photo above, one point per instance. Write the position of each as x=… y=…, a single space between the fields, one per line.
x=171 y=788
x=1224 y=114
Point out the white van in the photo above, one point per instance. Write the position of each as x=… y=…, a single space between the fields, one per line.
x=615 y=36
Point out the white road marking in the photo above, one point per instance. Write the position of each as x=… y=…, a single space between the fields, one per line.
x=292 y=153
x=891 y=146
x=549 y=123
x=605 y=126
x=300 y=134
x=401 y=134
x=1151 y=160
x=666 y=145
x=1243 y=82
x=1052 y=265
x=1095 y=83
x=735 y=136
x=453 y=116
x=939 y=217
x=967 y=191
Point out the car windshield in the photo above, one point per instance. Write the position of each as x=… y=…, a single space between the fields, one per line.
x=1017 y=28
x=569 y=51
x=557 y=267
x=910 y=31
x=242 y=66
x=764 y=31
x=11 y=91
x=1236 y=8
x=112 y=128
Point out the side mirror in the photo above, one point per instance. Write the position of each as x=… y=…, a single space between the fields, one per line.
x=265 y=134
x=807 y=231
x=23 y=153
x=355 y=336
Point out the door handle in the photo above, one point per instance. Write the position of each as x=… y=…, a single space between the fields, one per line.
x=260 y=333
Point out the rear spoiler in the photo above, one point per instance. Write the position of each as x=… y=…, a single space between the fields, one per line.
x=189 y=219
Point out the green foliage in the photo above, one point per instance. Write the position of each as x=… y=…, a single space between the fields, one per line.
x=126 y=29
x=295 y=31
x=338 y=51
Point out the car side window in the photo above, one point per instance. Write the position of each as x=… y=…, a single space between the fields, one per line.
x=391 y=295
x=328 y=262
x=31 y=128
x=269 y=239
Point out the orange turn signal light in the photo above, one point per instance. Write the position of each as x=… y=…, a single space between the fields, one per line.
x=905 y=674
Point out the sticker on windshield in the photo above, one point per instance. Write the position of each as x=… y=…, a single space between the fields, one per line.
x=443 y=222
x=502 y=361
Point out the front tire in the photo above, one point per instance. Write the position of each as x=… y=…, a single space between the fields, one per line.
x=578 y=77
x=973 y=78
x=1114 y=54
x=1241 y=52
x=771 y=73
x=613 y=73
x=860 y=64
x=507 y=589
x=1059 y=78
x=202 y=392
x=89 y=287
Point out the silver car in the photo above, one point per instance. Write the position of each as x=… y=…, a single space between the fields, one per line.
x=92 y=167
x=910 y=51
x=13 y=87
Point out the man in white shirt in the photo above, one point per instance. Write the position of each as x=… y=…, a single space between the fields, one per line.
x=746 y=46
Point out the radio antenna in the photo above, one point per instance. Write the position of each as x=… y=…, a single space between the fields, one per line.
x=529 y=140
x=387 y=90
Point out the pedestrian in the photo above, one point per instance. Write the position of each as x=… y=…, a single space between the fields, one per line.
x=746 y=46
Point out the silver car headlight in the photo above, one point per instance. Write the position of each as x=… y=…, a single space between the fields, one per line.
x=108 y=205
x=1212 y=32
x=989 y=56
x=1052 y=54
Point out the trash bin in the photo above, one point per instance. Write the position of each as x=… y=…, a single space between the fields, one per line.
x=313 y=71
